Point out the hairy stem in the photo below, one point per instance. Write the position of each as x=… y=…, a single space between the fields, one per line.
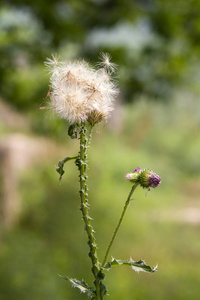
x=84 y=209
x=89 y=137
x=119 y=223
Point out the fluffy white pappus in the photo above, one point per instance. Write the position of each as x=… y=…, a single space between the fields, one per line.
x=80 y=93
x=70 y=103
x=105 y=62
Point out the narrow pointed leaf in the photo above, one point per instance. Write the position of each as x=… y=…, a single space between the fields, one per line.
x=135 y=265
x=61 y=163
x=82 y=286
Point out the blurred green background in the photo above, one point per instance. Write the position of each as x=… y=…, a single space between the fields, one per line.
x=156 y=125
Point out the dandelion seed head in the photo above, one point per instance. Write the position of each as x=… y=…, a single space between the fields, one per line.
x=80 y=93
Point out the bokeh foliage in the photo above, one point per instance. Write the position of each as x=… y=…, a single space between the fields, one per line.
x=156 y=45
x=49 y=238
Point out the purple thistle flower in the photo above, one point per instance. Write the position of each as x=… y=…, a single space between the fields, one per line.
x=154 y=180
x=149 y=179
x=146 y=178
x=137 y=170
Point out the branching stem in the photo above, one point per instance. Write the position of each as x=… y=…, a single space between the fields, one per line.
x=119 y=223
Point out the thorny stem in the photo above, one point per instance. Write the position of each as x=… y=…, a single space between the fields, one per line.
x=119 y=223
x=85 y=213
x=89 y=137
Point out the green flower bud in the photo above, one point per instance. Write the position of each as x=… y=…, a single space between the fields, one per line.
x=134 y=176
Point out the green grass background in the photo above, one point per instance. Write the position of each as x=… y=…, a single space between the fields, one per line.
x=159 y=227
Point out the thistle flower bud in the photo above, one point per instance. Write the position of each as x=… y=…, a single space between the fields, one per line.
x=134 y=176
x=148 y=179
x=137 y=170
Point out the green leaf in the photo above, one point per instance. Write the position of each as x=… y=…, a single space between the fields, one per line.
x=72 y=131
x=61 y=163
x=82 y=286
x=135 y=265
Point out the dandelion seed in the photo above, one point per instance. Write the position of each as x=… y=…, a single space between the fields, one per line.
x=106 y=63
x=52 y=62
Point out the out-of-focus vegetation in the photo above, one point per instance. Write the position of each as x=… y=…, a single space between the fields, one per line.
x=156 y=126
x=155 y=43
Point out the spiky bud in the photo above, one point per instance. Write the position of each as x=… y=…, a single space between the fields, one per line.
x=148 y=179
x=134 y=176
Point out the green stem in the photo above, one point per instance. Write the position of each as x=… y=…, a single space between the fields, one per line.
x=84 y=208
x=119 y=223
x=89 y=137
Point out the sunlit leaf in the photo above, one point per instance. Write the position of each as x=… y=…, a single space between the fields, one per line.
x=82 y=286
x=135 y=265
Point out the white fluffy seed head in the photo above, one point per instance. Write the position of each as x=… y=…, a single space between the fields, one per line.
x=80 y=93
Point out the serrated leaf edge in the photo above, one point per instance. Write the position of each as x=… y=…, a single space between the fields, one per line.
x=81 y=285
x=138 y=266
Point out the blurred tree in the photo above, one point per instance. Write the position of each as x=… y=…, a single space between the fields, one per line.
x=156 y=43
